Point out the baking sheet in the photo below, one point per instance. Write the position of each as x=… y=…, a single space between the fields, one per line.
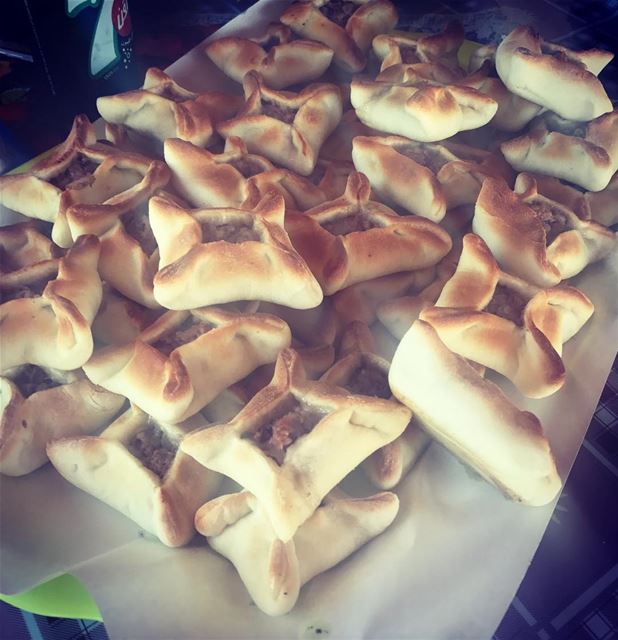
x=448 y=567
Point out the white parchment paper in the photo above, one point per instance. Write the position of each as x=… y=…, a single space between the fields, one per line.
x=448 y=567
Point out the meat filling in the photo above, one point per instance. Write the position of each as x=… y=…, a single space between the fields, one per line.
x=137 y=225
x=170 y=93
x=408 y=55
x=428 y=157
x=278 y=111
x=275 y=437
x=191 y=329
x=31 y=379
x=554 y=220
x=348 y=224
x=234 y=232
x=507 y=303
x=79 y=168
x=270 y=43
x=153 y=449
x=247 y=167
x=368 y=380
x=338 y=11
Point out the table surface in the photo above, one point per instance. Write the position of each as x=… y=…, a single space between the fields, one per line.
x=571 y=588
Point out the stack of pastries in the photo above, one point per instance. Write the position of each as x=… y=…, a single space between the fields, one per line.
x=310 y=275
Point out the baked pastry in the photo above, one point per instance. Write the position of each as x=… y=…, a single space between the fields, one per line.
x=38 y=405
x=534 y=237
x=136 y=467
x=288 y=128
x=361 y=301
x=362 y=372
x=273 y=571
x=280 y=60
x=183 y=360
x=602 y=204
x=234 y=178
x=47 y=310
x=295 y=440
x=163 y=109
x=421 y=111
x=353 y=239
x=399 y=48
x=213 y=256
x=443 y=176
x=120 y=320
x=23 y=245
x=346 y=27
x=505 y=323
x=473 y=418
x=553 y=76
x=37 y=192
x=586 y=155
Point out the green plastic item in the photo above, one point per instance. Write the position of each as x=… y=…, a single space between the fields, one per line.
x=62 y=597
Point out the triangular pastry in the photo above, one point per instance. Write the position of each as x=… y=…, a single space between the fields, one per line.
x=183 y=360
x=346 y=27
x=137 y=467
x=214 y=256
x=295 y=440
x=38 y=405
x=47 y=310
x=163 y=109
x=288 y=128
x=553 y=76
x=273 y=571
x=505 y=323
x=280 y=60
x=353 y=239
x=473 y=418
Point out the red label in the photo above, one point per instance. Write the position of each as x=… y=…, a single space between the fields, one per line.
x=121 y=17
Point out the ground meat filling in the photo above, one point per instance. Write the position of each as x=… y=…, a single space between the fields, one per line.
x=247 y=167
x=234 y=232
x=191 y=329
x=278 y=111
x=31 y=379
x=507 y=303
x=8 y=262
x=369 y=380
x=348 y=224
x=554 y=220
x=79 y=168
x=424 y=155
x=276 y=436
x=270 y=43
x=137 y=225
x=338 y=11
x=409 y=55
x=30 y=290
x=153 y=449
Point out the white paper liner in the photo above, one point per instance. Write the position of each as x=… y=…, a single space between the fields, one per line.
x=448 y=567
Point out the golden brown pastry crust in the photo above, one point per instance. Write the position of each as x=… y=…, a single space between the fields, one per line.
x=563 y=83
x=198 y=266
x=273 y=571
x=29 y=422
x=588 y=160
x=473 y=417
x=163 y=109
x=536 y=238
x=23 y=245
x=287 y=63
x=349 y=42
x=425 y=111
x=294 y=141
x=53 y=329
x=395 y=243
x=106 y=465
x=525 y=345
x=349 y=428
x=178 y=384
